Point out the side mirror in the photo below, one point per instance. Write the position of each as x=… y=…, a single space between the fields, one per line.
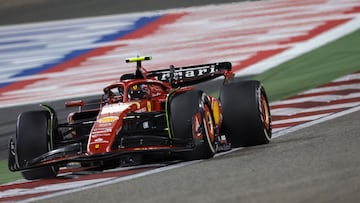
x=77 y=103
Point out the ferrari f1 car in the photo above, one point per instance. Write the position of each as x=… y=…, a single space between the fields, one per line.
x=148 y=114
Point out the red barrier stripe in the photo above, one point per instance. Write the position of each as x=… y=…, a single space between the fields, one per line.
x=316 y=31
x=304 y=114
x=259 y=56
x=332 y=92
x=311 y=104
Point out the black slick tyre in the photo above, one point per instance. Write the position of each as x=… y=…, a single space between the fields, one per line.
x=32 y=140
x=246 y=113
x=191 y=119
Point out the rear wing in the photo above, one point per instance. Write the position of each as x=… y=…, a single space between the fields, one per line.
x=190 y=75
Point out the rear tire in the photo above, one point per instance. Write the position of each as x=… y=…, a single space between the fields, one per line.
x=32 y=140
x=192 y=119
x=246 y=113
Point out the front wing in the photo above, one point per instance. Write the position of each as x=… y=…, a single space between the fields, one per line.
x=72 y=153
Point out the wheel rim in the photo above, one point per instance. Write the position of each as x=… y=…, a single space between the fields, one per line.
x=209 y=128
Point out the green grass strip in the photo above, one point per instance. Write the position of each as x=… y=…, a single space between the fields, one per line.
x=314 y=68
x=5 y=175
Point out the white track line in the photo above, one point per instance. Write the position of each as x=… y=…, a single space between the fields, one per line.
x=314 y=122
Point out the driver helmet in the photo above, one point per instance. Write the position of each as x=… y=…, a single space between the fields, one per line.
x=138 y=91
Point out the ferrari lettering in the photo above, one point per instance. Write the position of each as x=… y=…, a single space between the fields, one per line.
x=203 y=71
x=189 y=73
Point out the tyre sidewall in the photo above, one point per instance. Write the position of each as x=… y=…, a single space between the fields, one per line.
x=33 y=140
x=243 y=122
x=183 y=108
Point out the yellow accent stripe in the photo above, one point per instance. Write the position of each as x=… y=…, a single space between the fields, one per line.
x=167 y=111
x=139 y=58
x=51 y=125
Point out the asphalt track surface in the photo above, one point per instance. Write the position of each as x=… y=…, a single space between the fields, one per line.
x=315 y=164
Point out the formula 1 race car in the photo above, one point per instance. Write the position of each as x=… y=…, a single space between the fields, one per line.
x=152 y=115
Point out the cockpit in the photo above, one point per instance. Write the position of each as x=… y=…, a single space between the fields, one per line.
x=113 y=94
x=133 y=91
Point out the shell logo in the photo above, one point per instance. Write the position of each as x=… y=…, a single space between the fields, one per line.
x=108 y=119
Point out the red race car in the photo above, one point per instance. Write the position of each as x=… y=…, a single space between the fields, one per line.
x=145 y=116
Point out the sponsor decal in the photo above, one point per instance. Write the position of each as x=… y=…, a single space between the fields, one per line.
x=108 y=119
x=115 y=108
x=100 y=134
x=104 y=125
x=188 y=73
x=101 y=130
x=99 y=140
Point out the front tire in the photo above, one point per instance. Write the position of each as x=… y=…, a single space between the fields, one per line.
x=33 y=133
x=191 y=118
x=246 y=113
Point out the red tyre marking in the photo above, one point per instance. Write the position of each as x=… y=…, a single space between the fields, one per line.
x=265 y=112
